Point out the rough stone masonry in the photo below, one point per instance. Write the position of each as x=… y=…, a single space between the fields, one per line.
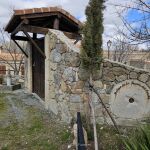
x=124 y=89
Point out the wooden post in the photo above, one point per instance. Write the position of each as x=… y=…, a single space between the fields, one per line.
x=34 y=36
x=56 y=24
x=94 y=120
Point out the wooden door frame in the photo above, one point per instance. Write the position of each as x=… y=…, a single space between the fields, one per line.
x=33 y=73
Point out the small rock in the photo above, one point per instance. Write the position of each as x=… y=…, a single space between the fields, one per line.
x=69 y=146
x=121 y=78
x=84 y=74
x=55 y=56
x=101 y=128
x=143 y=77
x=133 y=75
x=74 y=98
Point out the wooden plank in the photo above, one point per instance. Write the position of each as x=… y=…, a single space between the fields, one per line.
x=34 y=43
x=41 y=15
x=20 y=38
x=34 y=29
x=18 y=28
x=21 y=48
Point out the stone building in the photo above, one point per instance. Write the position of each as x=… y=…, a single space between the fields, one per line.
x=55 y=74
x=7 y=60
x=139 y=58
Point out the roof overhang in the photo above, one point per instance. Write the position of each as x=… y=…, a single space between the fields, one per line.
x=41 y=17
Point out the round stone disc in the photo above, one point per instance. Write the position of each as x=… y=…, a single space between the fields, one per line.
x=129 y=99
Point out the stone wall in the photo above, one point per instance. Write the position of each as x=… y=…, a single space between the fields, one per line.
x=124 y=89
x=138 y=63
x=126 y=92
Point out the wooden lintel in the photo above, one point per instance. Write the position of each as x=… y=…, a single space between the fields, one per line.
x=21 y=48
x=18 y=28
x=19 y=38
x=34 y=29
x=34 y=43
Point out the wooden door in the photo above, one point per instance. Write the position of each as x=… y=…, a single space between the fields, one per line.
x=38 y=70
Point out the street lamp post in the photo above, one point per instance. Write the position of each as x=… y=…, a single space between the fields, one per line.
x=108 y=46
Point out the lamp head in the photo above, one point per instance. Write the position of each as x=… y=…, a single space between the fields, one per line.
x=109 y=43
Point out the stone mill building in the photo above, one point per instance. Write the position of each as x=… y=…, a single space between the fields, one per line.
x=54 y=73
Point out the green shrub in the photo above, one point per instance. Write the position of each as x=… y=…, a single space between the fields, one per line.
x=140 y=140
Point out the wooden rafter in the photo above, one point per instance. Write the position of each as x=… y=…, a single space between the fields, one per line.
x=18 y=28
x=34 y=43
x=21 y=48
x=20 y=38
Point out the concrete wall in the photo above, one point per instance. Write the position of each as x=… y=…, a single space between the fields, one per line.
x=124 y=89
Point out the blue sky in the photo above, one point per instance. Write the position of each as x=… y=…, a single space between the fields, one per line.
x=134 y=15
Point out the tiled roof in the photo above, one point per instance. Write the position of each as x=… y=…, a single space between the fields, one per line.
x=8 y=57
x=18 y=13
x=46 y=10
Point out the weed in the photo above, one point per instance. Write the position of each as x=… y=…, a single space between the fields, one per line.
x=65 y=136
x=140 y=140
x=3 y=104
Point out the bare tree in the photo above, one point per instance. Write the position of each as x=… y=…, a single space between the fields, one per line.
x=12 y=51
x=139 y=28
x=122 y=49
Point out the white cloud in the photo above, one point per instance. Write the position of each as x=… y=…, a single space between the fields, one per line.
x=75 y=7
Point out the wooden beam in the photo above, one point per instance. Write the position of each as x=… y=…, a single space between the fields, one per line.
x=30 y=16
x=34 y=29
x=18 y=28
x=21 y=48
x=20 y=38
x=77 y=40
x=72 y=35
x=34 y=43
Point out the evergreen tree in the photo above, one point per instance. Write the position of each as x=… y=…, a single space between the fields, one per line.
x=92 y=52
